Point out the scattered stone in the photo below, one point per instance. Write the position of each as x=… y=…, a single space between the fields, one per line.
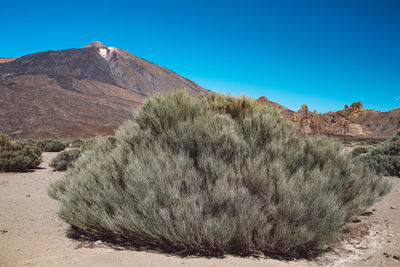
x=356 y=220
x=373 y=209
x=341 y=238
x=346 y=230
x=396 y=257
x=378 y=232
x=367 y=213
x=18 y=249
x=98 y=242
x=4 y=231
x=362 y=247
x=393 y=208
x=386 y=254
x=28 y=195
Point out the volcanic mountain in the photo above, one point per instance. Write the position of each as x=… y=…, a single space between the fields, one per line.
x=79 y=92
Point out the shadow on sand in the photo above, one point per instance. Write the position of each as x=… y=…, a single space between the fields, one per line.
x=88 y=240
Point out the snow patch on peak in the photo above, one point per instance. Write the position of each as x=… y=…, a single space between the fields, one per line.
x=103 y=52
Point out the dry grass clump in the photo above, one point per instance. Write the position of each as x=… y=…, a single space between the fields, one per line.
x=212 y=176
x=18 y=156
x=385 y=159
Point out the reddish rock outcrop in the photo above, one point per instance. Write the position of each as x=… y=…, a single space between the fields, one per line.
x=350 y=121
x=353 y=121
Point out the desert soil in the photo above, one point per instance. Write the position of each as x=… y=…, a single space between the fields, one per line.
x=31 y=234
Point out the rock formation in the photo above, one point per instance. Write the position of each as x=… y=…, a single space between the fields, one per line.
x=350 y=121
x=353 y=121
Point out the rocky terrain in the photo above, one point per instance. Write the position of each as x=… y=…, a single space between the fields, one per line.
x=79 y=92
x=353 y=121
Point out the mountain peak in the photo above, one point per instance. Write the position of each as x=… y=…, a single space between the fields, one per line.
x=96 y=44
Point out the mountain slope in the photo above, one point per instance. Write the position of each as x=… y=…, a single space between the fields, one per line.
x=79 y=92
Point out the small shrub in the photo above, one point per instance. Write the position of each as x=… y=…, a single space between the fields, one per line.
x=51 y=145
x=212 y=176
x=359 y=150
x=346 y=142
x=65 y=159
x=77 y=142
x=385 y=159
x=18 y=156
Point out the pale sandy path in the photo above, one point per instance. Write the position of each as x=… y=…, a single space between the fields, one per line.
x=36 y=237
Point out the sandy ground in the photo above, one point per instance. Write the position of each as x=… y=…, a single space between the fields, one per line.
x=32 y=235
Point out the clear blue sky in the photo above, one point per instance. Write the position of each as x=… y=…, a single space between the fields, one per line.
x=323 y=53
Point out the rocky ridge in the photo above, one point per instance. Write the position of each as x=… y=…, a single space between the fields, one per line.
x=354 y=121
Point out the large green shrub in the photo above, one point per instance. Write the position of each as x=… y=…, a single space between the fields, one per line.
x=385 y=159
x=18 y=156
x=215 y=175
